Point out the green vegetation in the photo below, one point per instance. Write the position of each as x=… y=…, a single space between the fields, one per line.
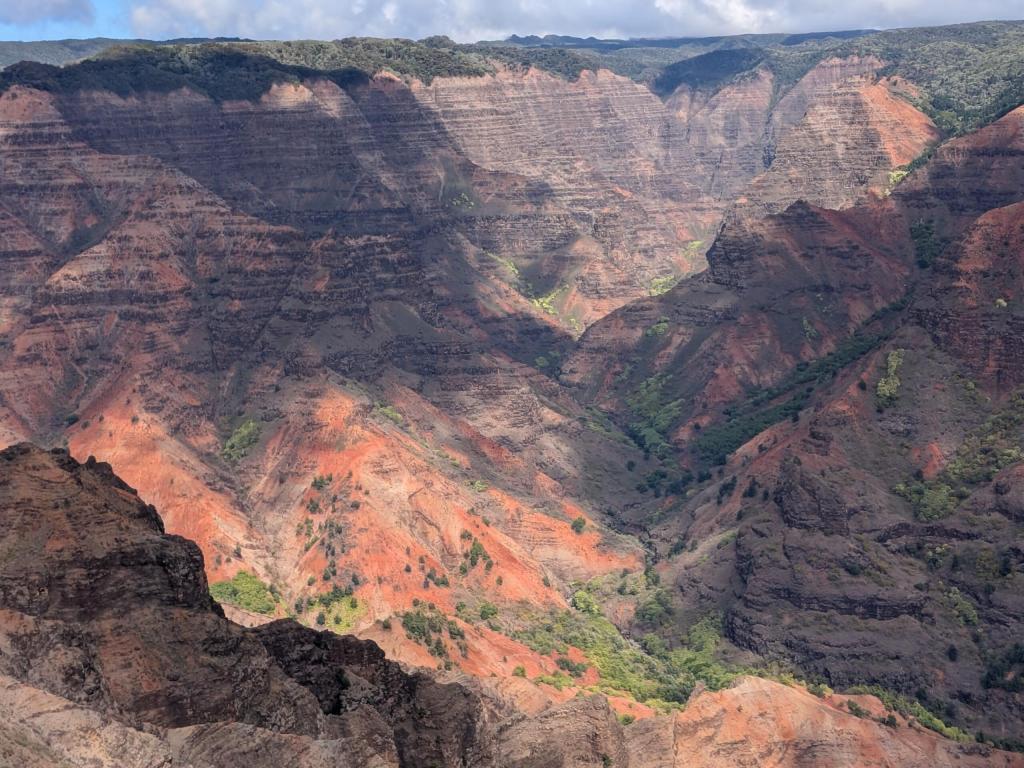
x=579 y=524
x=558 y=61
x=1006 y=670
x=488 y=611
x=927 y=245
x=321 y=482
x=969 y=74
x=389 y=413
x=658 y=329
x=655 y=610
x=246 y=70
x=342 y=609
x=961 y=607
x=856 y=709
x=997 y=444
x=506 y=263
x=652 y=415
x=912 y=709
x=708 y=71
x=662 y=285
x=932 y=500
x=242 y=440
x=574 y=668
x=441 y=580
x=767 y=406
x=897 y=175
x=651 y=673
x=558 y=681
x=546 y=303
x=888 y=389
x=426 y=625
x=246 y=591
x=475 y=554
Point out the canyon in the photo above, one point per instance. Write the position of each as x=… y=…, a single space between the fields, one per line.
x=115 y=655
x=508 y=374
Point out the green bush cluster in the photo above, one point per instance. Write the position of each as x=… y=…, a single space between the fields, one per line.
x=927 y=246
x=650 y=673
x=761 y=408
x=390 y=413
x=475 y=554
x=912 y=708
x=653 y=415
x=426 y=625
x=997 y=444
x=242 y=440
x=888 y=389
x=245 y=591
x=1006 y=670
x=574 y=668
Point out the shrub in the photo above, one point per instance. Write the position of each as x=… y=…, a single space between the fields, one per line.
x=245 y=591
x=519 y=671
x=888 y=388
x=856 y=709
x=1006 y=670
x=245 y=436
x=574 y=668
x=819 y=689
x=389 y=413
x=488 y=611
x=579 y=524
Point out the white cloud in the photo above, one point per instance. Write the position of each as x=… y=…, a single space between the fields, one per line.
x=32 y=11
x=469 y=20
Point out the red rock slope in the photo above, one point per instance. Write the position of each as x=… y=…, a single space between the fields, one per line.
x=112 y=653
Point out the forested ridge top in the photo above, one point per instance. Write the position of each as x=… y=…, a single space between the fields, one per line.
x=967 y=74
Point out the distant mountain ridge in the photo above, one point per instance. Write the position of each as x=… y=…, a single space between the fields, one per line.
x=60 y=52
x=965 y=75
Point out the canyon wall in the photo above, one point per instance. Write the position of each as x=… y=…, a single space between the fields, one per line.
x=112 y=653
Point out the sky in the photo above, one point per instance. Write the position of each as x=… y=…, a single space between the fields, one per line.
x=471 y=20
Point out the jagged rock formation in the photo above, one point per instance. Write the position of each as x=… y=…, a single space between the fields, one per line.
x=800 y=538
x=112 y=653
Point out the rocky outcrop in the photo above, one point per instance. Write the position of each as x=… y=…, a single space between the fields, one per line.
x=136 y=666
x=743 y=726
x=105 y=610
x=799 y=539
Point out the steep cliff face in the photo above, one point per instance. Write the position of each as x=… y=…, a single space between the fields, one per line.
x=866 y=422
x=382 y=302
x=778 y=291
x=831 y=139
x=328 y=410
x=112 y=653
x=112 y=619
